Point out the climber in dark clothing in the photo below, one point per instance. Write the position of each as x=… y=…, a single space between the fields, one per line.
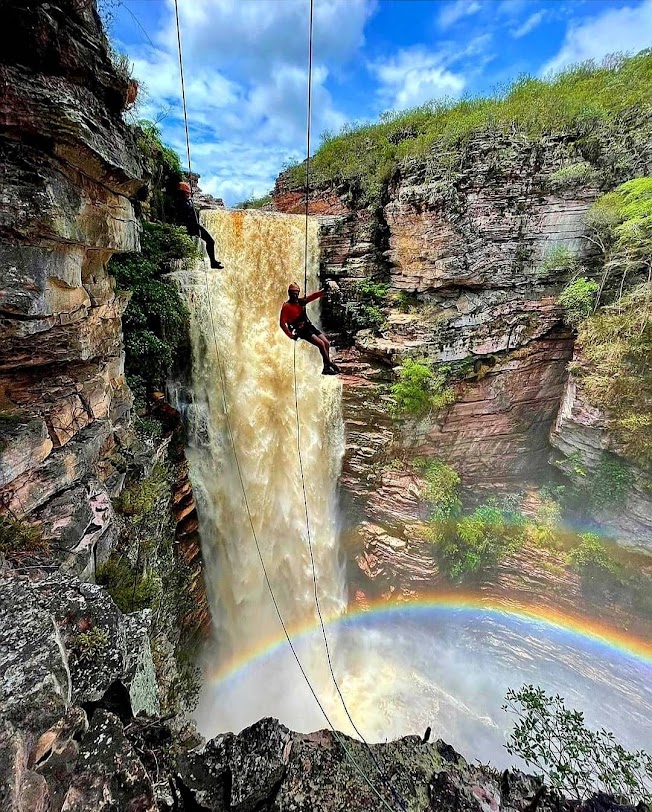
x=193 y=226
x=295 y=324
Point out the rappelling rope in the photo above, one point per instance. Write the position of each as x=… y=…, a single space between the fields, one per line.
x=378 y=767
x=337 y=736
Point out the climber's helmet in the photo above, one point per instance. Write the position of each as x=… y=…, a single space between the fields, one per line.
x=293 y=291
x=184 y=188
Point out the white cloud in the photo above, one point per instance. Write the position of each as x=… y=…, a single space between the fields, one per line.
x=415 y=76
x=624 y=29
x=452 y=12
x=529 y=25
x=511 y=8
x=245 y=67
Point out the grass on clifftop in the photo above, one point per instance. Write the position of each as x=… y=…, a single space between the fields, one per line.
x=577 y=101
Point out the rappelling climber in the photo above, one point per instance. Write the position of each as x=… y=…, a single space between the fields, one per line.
x=296 y=324
x=193 y=226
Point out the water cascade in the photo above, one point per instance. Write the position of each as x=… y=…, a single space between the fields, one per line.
x=446 y=663
x=237 y=312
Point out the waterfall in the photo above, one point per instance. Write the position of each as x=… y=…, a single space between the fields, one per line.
x=237 y=310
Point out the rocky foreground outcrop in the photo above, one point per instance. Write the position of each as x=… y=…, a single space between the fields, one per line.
x=79 y=730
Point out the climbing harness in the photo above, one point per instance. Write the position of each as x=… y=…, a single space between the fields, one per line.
x=222 y=377
x=378 y=767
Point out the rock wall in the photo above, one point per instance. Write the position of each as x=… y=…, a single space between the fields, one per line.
x=581 y=436
x=70 y=172
x=80 y=731
x=474 y=260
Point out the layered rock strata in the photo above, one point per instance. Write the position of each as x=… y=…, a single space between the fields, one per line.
x=70 y=172
x=475 y=259
x=581 y=437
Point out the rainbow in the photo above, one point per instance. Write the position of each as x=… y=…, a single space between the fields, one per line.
x=585 y=629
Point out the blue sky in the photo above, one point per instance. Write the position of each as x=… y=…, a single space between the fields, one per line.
x=246 y=73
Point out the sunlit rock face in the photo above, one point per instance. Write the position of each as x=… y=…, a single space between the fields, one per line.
x=469 y=252
x=70 y=169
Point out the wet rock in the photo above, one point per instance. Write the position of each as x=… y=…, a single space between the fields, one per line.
x=140 y=676
x=55 y=754
x=75 y=462
x=36 y=687
x=103 y=645
x=581 y=436
x=109 y=775
x=74 y=523
x=25 y=443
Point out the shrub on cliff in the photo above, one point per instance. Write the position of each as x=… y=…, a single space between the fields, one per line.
x=420 y=389
x=574 y=760
x=363 y=310
x=477 y=542
x=616 y=347
x=441 y=487
x=131 y=590
x=573 y=176
x=255 y=202
x=586 y=100
x=20 y=540
x=578 y=300
x=591 y=556
x=620 y=224
x=164 y=167
x=156 y=321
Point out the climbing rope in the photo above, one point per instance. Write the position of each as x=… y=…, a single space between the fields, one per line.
x=337 y=736
x=378 y=767
x=308 y=128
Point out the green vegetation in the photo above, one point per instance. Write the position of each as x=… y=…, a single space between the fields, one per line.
x=591 y=556
x=578 y=299
x=255 y=202
x=363 y=311
x=130 y=592
x=146 y=571
x=574 y=761
x=616 y=344
x=156 y=321
x=616 y=341
x=419 y=389
x=164 y=167
x=367 y=290
x=559 y=259
x=441 y=488
x=87 y=645
x=476 y=542
x=406 y=301
x=573 y=176
x=586 y=101
x=621 y=222
x=143 y=496
x=19 y=540
x=610 y=483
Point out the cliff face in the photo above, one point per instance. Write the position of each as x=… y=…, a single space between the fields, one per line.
x=581 y=435
x=72 y=174
x=70 y=169
x=475 y=259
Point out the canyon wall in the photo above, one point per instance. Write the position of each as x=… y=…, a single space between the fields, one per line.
x=71 y=169
x=475 y=259
x=79 y=479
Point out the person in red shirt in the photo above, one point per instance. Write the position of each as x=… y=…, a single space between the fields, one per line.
x=296 y=324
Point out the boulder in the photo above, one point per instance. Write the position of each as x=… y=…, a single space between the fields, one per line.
x=108 y=776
